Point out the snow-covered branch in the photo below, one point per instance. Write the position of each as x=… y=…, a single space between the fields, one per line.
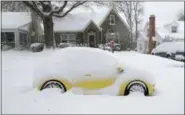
x=33 y=6
x=75 y=5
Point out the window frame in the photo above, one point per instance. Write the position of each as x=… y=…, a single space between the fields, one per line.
x=112 y=17
x=174 y=29
x=68 y=38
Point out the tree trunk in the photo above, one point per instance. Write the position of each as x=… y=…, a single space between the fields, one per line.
x=136 y=31
x=48 y=31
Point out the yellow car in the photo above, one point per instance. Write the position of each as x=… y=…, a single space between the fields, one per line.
x=91 y=71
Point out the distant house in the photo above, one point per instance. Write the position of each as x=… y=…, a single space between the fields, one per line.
x=12 y=32
x=14 y=29
x=170 y=32
x=83 y=27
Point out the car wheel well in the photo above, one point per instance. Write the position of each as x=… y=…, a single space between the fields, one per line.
x=53 y=80
x=134 y=82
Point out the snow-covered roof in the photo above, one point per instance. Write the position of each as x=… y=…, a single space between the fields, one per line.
x=13 y=20
x=77 y=20
x=165 y=31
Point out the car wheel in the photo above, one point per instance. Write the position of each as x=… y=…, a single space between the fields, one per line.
x=136 y=86
x=54 y=84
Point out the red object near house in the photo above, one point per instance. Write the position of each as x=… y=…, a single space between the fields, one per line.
x=112 y=43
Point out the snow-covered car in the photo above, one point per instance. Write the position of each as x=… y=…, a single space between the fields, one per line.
x=91 y=71
x=171 y=50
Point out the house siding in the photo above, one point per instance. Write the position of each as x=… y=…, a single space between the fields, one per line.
x=118 y=27
x=82 y=37
x=79 y=37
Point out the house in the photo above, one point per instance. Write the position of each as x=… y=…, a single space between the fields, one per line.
x=14 y=30
x=173 y=31
x=78 y=27
x=11 y=32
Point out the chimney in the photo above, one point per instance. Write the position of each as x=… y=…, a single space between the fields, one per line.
x=152 y=41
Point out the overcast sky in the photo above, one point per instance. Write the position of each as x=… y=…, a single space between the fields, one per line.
x=164 y=11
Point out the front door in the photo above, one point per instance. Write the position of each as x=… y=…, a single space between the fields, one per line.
x=92 y=40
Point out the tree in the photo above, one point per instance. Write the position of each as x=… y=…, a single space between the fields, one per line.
x=138 y=11
x=13 y=6
x=180 y=15
x=35 y=30
x=46 y=11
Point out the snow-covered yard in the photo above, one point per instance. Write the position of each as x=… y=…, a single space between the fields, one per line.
x=18 y=96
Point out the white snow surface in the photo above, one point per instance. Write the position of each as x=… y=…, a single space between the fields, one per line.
x=19 y=97
x=170 y=47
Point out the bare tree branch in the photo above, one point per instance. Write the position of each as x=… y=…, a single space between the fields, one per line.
x=72 y=7
x=41 y=2
x=34 y=8
x=61 y=8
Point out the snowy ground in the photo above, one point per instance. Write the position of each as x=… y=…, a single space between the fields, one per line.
x=18 y=96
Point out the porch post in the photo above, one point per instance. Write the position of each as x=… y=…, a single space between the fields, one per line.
x=17 y=39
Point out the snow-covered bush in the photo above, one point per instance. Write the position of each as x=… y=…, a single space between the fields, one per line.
x=37 y=47
x=5 y=47
x=64 y=45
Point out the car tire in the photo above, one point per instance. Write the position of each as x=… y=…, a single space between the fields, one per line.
x=54 y=84
x=136 y=86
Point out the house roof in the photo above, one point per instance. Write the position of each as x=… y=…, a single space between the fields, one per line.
x=13 y=20
x=77 y=20
x=165 y=31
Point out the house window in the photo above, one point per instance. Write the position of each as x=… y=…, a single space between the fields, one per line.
x=112 y=20
x=174 y=29
x=8 y=38
x=68 y=38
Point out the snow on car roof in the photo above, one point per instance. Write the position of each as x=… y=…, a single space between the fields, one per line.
x=13 y=20
x=170 y=47
x=77 y=62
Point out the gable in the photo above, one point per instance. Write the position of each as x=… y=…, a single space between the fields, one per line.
x=118 y=16
x=92 y=26
x=165 y=31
